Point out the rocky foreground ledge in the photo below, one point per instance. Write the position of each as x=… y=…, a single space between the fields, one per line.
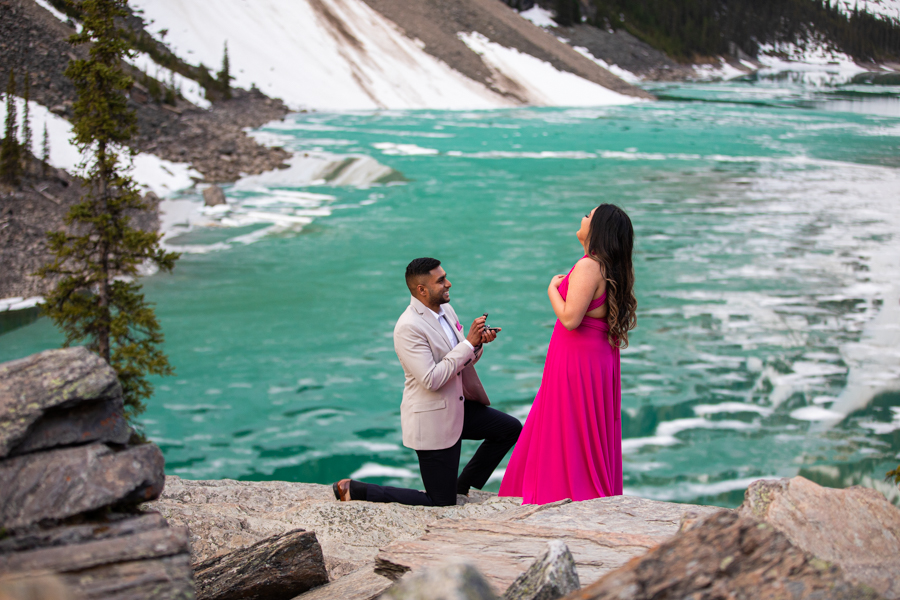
x=790 y=539
x=84 y=516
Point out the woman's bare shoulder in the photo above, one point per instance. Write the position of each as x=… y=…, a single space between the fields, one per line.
x=589 y=268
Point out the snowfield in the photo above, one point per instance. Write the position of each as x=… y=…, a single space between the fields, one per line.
x=884 y=8
x=342 y=55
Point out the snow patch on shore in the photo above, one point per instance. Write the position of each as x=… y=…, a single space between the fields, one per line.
x=161 y=176
x=19 y=303
x=815 y=61
x=616 y=70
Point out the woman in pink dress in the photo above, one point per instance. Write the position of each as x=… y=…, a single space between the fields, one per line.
x=571 y=445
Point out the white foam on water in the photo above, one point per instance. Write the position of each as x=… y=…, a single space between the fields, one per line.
x=702 y=410
x=882 y=428
x=370 y=446
x=671 y=428
x=633 y=444
x=371 y=469
x=271 y=198
x=497 y=475
x=393 y=149
x=541 y=81
x=545 y=154
x=815 y=413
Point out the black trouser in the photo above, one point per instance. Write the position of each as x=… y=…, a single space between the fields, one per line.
x=439 y=468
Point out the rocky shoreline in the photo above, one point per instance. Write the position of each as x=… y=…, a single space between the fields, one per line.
x=213 y=141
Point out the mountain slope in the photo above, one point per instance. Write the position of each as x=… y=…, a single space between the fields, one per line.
x=355 y=54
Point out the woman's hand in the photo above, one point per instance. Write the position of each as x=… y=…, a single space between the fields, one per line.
x=556 y=281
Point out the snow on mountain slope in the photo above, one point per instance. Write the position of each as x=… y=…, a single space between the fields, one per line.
x=149 y=171
x=885 y=8
x=543 y=83
x=342 y=56
x=333 y=55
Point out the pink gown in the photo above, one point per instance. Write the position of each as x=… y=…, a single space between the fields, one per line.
x=571 y=445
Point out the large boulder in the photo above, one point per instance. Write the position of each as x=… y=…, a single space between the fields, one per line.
x=93 y=421
x=726 y=555
x=276 y=568
x=855 y=528
x=48 y=382
x=66 y=482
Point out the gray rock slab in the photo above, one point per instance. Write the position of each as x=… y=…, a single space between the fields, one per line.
x=98 y=421
x=156 y=543
x=70 y=481
x=363 y=584
x=166 y=578
x=856 y=528
x=52 y=379
x=602 y=534
x=225 y=515
x=276 y=568
x=552 y=576
x=726 y=555
x=111 y=526
x=454 y=581
x=119 y=557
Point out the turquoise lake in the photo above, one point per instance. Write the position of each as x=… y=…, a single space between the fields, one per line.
x=767 y=258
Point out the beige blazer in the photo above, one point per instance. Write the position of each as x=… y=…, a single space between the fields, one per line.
x=439 y=378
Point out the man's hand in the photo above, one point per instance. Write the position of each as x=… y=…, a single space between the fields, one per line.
x=476 y=331
x=488 y=336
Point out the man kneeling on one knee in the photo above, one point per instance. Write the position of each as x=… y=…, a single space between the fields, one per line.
x=443 y=399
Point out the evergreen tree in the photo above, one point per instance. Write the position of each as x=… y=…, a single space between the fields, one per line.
x=568 y=13
x=224 y=75
x=97 y=300
x=27 y=136
x=45 y=151
x=10 y=168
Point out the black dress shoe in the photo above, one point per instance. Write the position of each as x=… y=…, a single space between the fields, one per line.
x=341 y=490
x=347 y=489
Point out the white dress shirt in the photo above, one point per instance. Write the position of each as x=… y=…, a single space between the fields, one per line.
x=441 y=317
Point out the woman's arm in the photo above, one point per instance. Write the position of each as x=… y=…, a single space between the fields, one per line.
x=583 y=282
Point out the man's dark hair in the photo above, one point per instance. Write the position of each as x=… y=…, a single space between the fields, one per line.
x=417 y=268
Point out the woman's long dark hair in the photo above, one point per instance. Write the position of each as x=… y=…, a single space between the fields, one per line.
x=610 y=243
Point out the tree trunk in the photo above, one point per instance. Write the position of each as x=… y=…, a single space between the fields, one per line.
x=103 y=291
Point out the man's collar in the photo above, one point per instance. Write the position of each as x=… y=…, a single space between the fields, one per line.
x=424 y=310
